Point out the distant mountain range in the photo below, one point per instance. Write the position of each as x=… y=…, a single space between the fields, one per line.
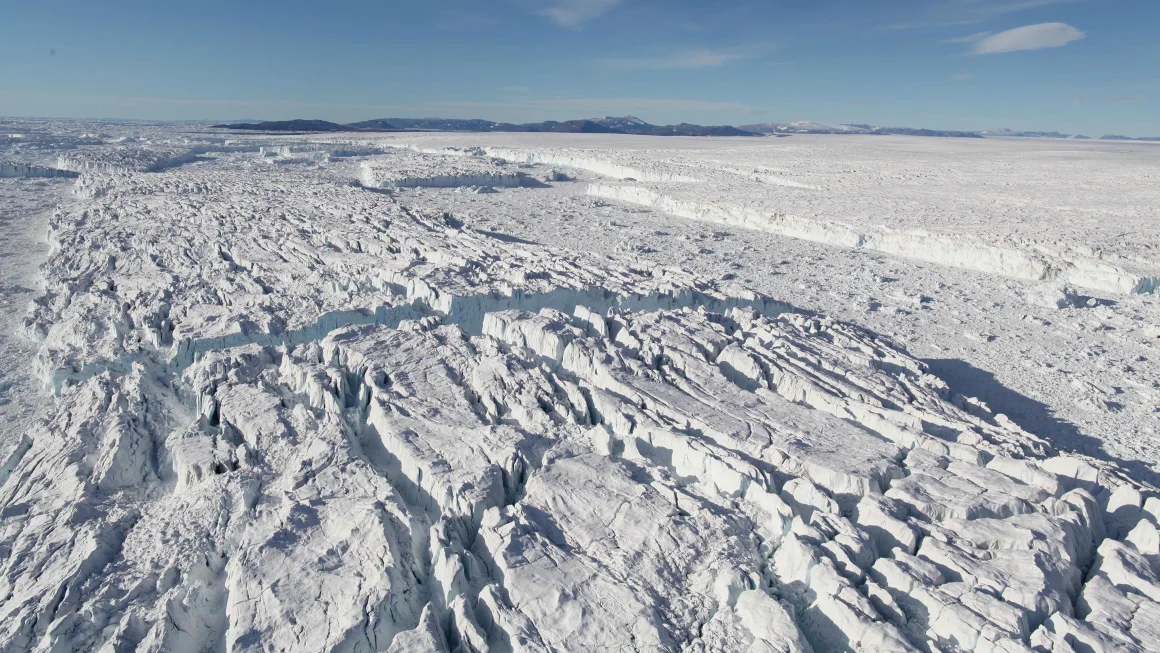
x=805 y=127
x=608 y=125
x=1008 y=133
x=1117 y=137
x=634 y=125
x=287 y=126
x=1032 y=134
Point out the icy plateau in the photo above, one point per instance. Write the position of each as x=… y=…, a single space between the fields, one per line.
x=511 y=392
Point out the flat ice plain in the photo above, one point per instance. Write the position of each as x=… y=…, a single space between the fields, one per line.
x=510 y=392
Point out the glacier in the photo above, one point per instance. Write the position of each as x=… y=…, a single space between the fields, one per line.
x=286 y=410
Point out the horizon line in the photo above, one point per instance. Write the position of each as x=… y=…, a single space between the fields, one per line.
x=1151 y=138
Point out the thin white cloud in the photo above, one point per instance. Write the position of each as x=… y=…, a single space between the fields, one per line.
x=968 y=12
x=1029 y=37
x=683 y=60
x=573 y=13
x=970 y=38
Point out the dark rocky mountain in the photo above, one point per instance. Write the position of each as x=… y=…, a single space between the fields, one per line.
x=288 y=126
x=623 y=123
x=566 y=127
x=426 y=124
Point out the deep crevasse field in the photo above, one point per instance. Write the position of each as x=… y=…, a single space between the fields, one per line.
x=483 y=392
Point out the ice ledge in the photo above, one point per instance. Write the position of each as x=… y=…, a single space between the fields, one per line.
x=578 y=159
x=950 y=250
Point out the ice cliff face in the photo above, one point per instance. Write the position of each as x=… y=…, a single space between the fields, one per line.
x=404 y=168
x=26 y=170
x=293 y=414
x=124 y=159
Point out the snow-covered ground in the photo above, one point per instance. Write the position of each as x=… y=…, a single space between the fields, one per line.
x=804 y=394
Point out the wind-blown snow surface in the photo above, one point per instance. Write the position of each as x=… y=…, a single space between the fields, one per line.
x=293 y=413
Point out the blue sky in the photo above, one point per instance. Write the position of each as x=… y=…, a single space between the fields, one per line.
x=1079 y=66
